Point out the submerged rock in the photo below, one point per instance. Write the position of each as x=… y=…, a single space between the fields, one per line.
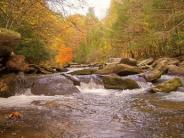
x=7 y=86
x=112 y=82
x=84 y=72
x=53 y=85
x=168 y=86
x=119 y=69
x=129 y=61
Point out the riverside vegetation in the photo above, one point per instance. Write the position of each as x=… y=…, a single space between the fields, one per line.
x=49 y=54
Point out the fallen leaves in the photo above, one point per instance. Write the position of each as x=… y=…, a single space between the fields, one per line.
x=15 y=116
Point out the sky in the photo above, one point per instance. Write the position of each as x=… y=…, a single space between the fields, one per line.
x=100 y=6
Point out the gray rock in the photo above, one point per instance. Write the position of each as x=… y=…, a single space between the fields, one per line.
x=74 y=79
x=53 y=85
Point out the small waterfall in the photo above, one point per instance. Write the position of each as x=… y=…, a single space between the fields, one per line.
x=23 y=84
x=91 y=82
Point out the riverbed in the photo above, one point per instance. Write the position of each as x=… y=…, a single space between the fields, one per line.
x=95 y=112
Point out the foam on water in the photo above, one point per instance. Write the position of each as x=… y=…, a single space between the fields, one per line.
x=93 y=88
x=26 y=100
x=130 y=92
x=174 y=96
x=98 y=89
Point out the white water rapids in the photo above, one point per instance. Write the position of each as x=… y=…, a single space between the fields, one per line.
x=90 y=88
x=96 y=112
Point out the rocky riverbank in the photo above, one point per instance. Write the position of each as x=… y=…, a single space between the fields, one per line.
x=113 y=75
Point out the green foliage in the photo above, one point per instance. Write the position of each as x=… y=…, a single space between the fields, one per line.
x=144 y=28
x=95 y=48
x=34 y=50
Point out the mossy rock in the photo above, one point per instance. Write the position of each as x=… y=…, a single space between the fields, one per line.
x=8 y=37
x=119 y=69
x=129 y=61
x=153 y=75
x=84 y=72
x=112 y=82
x=168 y=86
x=146 y=62
x=7 y=85
x=159 y=69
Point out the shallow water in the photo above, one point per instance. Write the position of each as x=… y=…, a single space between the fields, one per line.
x=95 y=113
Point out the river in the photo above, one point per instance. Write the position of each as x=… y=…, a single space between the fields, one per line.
x=95 y=112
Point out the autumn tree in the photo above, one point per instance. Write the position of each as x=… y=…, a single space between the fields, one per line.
x=41 y=25
x=143 y=28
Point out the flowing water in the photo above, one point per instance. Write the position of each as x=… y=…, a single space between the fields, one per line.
x=95 y=113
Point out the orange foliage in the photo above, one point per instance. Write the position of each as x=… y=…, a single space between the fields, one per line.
x=65 y=55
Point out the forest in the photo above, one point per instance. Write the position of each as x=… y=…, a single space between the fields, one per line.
x=132 y=28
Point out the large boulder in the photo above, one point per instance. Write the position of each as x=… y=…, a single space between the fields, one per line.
x=169 y=61
x=74 y=79
x=159 y=69
x=119 y=69
x=129 y=61
x=84 y=72
x=7 y=86
x=168 y=86
x=145 y=63
x=153 y=75
x=175 y=70
x=8 y=37
x=50 y=85
x=17 y=63
x=113 y=82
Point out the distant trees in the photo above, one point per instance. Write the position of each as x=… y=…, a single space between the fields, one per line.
x=136 y=28
x=144 y=28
